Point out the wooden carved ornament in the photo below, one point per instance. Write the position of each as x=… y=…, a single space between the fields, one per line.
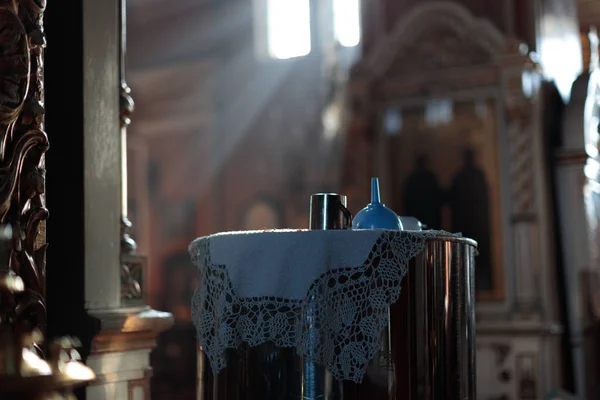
x=23 y=144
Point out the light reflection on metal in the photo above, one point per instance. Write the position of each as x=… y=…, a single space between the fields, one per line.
x=328 y=211
x=441 y=302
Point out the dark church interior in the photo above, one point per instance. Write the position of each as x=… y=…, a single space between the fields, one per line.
x=157 y=157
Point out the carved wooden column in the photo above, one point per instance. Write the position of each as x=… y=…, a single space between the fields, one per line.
x=23 y=212
x=133 y=265
x=23 y=144
x=524 y=206
x=126 y=107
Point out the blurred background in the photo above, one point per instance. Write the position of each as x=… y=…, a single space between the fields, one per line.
x=479 y=116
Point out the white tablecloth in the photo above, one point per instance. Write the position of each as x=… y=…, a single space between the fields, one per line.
x=326 y=293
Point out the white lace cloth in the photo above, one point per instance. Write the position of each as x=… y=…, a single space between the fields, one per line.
x=326 y=293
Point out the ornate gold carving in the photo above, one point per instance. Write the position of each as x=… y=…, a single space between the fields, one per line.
x=440 y=48
x=23 y=144
x=446 y=27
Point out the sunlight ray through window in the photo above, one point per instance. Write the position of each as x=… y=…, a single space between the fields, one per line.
x=288 y=28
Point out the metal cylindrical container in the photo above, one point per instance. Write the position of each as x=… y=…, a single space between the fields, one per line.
x=328 y=211
x=431 y=357
x=433 y=323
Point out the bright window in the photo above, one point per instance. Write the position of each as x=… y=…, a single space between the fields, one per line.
x=288 y=28
x=439 y=112
x=346 y=22
x=392 y=122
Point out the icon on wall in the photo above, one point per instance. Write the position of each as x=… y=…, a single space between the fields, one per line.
x=448 y=177
x=467 y=198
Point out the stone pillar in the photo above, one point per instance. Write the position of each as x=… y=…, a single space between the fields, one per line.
x=86 y=294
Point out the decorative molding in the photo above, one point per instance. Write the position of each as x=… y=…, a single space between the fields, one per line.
x=23 y=144
x=115 y=342
x=133 y=274
x=461 y=39
x=437 y=48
